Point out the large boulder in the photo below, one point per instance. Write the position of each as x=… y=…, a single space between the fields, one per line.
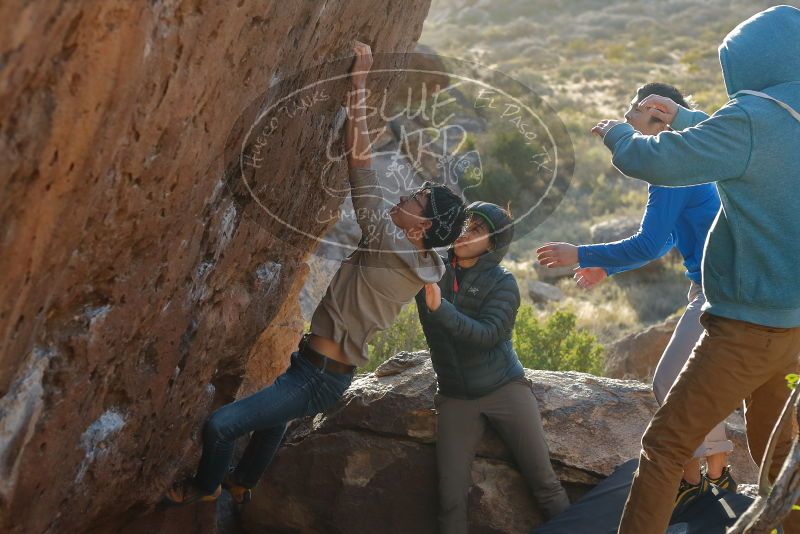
x=614 y=229
x=636 y=355
x=369 y=463
x=542 y=292
x=552 y=274
x=370 y=459
x=137 y=279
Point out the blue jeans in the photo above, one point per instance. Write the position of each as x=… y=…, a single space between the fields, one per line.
x=302 y=390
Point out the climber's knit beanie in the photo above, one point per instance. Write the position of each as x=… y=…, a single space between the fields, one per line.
x=447 y=215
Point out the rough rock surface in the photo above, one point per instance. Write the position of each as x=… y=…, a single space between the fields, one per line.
x=542 y=292
x=269 y=356
x=636 y=355
x=614 y=229
x=134 y=285
x=370 y=460
x=551 y=274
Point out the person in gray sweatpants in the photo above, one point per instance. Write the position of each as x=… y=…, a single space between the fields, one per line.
x=467 y=319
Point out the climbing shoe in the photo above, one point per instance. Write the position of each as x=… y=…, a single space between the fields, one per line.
x=240 y=494
x=687 y=493
x=186 y=492
x=725 y=480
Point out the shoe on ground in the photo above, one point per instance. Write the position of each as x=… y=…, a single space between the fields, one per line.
x=688 y=493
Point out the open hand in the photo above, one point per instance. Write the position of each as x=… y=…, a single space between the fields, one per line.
x=660 y=107
x=557 y=255
x=433 y=296
x=361 y=64
x=589 y=277
x=604 y=126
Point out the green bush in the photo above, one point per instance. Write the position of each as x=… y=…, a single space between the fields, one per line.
x=509 y=172
x=555 y=344
x=404 y=335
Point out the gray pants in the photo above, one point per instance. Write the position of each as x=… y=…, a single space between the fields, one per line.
x=512 y=410
x=678 y=350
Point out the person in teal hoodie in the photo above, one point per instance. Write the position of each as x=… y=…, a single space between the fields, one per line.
x=675 y=217
x=751 y=149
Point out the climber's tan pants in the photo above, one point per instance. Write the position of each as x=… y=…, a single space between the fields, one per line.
x=734 y=360
x=512 y=410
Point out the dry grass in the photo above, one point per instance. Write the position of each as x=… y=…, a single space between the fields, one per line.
x=622 y=304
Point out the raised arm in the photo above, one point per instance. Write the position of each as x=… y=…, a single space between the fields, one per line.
x=670 y=112
x=714 y=150
x=686 y=118
x=359 y=153
x=368 y=201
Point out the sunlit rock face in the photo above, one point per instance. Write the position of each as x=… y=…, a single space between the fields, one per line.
x=135 y=285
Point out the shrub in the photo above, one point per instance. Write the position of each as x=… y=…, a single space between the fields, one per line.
x=555 y=344
x=617 y=52
x=510 y=172
x=404 y=335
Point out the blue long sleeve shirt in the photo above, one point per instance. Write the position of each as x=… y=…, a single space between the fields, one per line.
x=674 y=216
x=750 y=148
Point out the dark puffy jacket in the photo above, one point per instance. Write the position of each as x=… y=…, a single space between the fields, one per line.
x=469 y=335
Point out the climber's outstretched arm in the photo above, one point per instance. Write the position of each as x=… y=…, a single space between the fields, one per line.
x=357 y=132
x=368 y=202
